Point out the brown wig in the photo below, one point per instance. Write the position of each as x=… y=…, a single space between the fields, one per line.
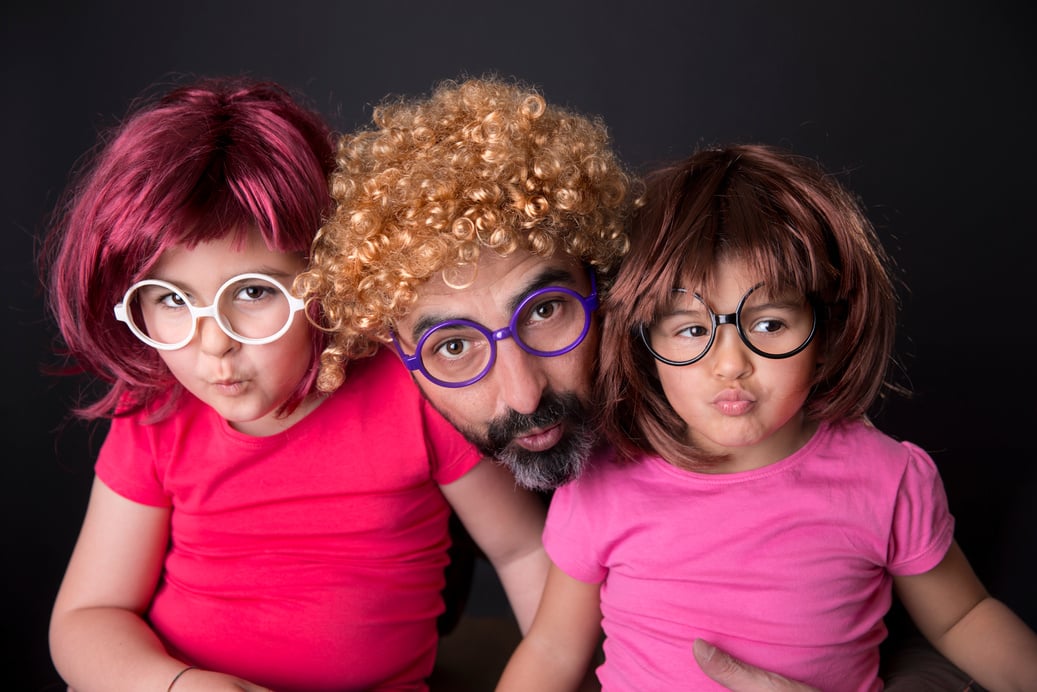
x=794 y=225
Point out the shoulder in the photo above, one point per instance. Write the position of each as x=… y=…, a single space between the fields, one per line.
x=155 y=421
x=383 y=374
x=872 y=457
x=605 y=475
x=861 y=437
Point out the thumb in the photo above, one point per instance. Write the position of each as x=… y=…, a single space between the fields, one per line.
x=739 y=676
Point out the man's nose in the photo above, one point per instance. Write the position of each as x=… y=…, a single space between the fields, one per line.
x=520 y=377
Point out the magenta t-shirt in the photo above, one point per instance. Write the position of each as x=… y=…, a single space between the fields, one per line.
x=309 y=560
x=787 y=567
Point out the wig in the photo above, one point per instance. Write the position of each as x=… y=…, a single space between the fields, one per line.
x=205 y=160
x=797 y=228
x=480 y=165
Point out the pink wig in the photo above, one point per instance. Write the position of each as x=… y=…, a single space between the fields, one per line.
x=205 y=160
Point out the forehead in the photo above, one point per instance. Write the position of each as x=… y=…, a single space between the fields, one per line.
x=731 y=277
x=220 y=259
x=489 y=291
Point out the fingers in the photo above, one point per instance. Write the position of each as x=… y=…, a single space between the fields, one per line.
x=739 y=676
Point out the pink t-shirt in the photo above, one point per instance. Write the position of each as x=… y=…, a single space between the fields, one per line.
x=787 y=567
x=309 y=560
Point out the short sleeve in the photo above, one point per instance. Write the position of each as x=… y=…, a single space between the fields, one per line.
x=451 y=455
x=570 y=524
x=126 y=463
x=923 y=527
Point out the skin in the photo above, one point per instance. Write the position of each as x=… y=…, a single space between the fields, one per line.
x=762 y=424
x=98 y=635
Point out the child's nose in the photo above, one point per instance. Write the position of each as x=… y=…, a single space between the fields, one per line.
x=731 y=357
x=212 y=339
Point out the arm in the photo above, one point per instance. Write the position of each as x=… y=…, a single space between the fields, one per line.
x=976 y=632
x=556 y=653
x=506 y=522
x=98 y=637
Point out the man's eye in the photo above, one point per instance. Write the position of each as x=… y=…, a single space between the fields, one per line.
x=545 y=310
x=451 y=348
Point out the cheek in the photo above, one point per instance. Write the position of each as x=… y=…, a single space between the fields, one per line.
x=303 y=354
x=574 y=372
x=177 y=362
x=677 y=383
x=469 y=407
x=289 y=358
x=792 y=380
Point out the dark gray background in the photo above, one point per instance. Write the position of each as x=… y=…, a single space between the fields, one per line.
x=924 y=108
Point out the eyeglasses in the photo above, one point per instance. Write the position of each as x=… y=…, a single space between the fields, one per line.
x=548 y=322
x=249 y=308
x=770 y=326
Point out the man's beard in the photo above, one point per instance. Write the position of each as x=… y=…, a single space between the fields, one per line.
x=550 y=468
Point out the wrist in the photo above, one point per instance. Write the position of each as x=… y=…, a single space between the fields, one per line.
x=177 y=677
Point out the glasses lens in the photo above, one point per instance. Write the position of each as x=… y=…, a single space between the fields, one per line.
x=159 y=313
x=253 y=308
x=455 y=352
x=550 y=321
x=684 y=332
x=776 y=325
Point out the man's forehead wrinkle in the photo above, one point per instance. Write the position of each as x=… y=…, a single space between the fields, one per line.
x=547 y=276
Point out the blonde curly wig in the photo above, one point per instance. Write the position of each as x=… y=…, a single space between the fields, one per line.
x=483 y=163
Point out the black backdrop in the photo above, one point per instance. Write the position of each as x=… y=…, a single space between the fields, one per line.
x=924 y=108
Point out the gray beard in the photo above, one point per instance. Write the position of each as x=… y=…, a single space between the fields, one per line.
x=550 y=468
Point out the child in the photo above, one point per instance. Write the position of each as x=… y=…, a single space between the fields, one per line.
x=753 y=505
x=244 y=531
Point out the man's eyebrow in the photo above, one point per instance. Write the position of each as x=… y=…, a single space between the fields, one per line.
x=548 y=276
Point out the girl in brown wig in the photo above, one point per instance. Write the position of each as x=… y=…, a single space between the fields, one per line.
x=753 y=505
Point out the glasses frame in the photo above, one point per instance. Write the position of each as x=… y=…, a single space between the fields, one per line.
x=197 y=312
x=735 y=319
x=588 y=302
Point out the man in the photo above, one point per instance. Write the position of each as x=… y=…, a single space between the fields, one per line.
x=474 y=231
x=482 y=193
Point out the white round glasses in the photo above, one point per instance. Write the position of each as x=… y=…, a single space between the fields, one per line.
x=249 y=308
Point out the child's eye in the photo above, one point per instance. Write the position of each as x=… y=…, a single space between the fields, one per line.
x=253 y=292
x=171 y=300
x=696 y=331
x=768 y=326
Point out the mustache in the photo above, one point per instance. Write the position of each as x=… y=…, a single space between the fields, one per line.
x=553 y=408
x=550 y=468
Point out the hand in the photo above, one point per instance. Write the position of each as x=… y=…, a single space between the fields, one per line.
x=738 y=676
